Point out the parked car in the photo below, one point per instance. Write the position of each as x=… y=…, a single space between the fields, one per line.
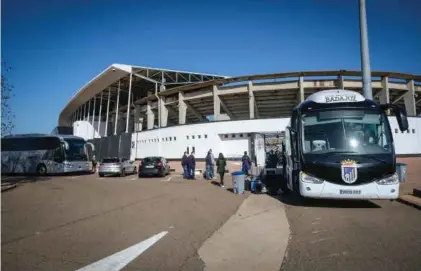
x=116 y=166
x=154 y=166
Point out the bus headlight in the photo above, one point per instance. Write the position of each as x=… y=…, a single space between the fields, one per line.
x=389 y=180
x=309 y=179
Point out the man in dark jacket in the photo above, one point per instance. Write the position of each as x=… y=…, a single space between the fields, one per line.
x=209 y=164
x=245 y=163
x=184 y=165
x=192 y=165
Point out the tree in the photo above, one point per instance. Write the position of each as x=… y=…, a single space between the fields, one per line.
x=7 y=115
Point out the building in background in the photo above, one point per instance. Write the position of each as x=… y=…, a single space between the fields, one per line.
x=136 y=111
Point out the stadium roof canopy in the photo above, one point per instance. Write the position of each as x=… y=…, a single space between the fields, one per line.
x=145 y=80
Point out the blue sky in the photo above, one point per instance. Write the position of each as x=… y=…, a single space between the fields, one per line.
x=55 y=47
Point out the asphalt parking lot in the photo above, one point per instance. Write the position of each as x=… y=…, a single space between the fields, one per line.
x=352 y=235
x=70 y=222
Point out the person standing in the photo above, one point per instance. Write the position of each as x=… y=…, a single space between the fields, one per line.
x=192 y=165
x=212 y=165
x=184 y=165
x=208 y=163
x=221 y=163
x=245 y=163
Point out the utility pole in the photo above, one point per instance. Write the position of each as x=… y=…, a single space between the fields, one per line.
x=365 y=55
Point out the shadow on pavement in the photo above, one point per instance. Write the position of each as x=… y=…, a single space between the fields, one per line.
x=324 y=203
x=15 y=179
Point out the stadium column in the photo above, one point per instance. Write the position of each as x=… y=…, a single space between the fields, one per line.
x=216 y=103
x=340 y=82
x=89 y=110
x=409 y=99
x=251 y=100
x=164 y=112
x=301 y=89
x=100 y=115
x=116 y=108
x=182 y=109
x=128 y=103
x=384 y=93
x=108 y=111
x=150 y=114
x=84 y=112
x=93 y=118
x=137 y=118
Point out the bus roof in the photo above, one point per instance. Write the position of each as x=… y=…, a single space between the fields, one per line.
x=61 y=137
x=336 y=96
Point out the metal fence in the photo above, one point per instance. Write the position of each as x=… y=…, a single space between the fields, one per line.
x=112 y=146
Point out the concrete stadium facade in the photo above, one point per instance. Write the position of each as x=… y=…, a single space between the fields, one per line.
x=166 y=112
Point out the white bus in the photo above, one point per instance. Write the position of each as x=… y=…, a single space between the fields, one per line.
x=44 y=154
x=339 y=145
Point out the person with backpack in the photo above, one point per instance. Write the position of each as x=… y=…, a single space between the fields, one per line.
x=221 y=164
x=245 y=163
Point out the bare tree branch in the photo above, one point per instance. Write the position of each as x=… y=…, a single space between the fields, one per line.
x=7 y=115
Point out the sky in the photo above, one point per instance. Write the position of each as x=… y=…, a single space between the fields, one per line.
x=56 y=46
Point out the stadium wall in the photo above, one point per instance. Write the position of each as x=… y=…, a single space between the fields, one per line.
x=228 y=137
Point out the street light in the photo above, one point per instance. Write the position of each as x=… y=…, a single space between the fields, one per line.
x=365 y=56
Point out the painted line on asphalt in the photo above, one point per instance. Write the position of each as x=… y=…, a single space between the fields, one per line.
x=120 y=259
x=167 y=180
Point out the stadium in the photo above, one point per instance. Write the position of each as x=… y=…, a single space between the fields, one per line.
x=135 y=112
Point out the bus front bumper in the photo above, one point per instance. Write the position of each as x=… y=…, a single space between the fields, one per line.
x=371 y=190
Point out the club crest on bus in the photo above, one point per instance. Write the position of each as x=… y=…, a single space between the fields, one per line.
x=349 y=171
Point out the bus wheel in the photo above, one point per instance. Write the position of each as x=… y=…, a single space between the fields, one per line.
x=42 y=169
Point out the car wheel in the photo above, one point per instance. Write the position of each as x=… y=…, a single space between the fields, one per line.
x=123 y=173
x=162 y=174
x=42 y=169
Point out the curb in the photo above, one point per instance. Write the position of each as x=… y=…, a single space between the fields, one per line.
x=410 y=200
x=5 y=188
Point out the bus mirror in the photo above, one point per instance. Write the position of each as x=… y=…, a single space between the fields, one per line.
x=400 y=114
x=66 y=145
x=92 y=146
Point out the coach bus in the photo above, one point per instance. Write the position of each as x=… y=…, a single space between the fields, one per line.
x=339 y=145
x=44 y=154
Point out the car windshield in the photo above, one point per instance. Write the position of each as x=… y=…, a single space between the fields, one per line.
x=76 y=150
x=110 y=160
x=350 y=131
x=151 y=160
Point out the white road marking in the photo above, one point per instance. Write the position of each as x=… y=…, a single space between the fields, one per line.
x=319 y=231
x=321 y=240
x=134 y=178
x=166 y=180
x=120 y=259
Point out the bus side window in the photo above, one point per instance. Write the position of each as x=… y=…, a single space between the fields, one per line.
x=287 y=142
x=293 y=143
x=58 y=155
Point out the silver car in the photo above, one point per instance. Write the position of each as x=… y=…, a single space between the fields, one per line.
x=116 y=166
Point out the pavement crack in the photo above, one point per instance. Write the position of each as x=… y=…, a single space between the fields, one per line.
x=80 y=220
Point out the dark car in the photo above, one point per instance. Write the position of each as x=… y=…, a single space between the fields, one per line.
x=154 y=166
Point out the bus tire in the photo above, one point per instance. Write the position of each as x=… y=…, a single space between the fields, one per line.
x=41 y=170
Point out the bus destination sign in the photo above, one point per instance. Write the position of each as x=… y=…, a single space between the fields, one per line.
x=341 y=98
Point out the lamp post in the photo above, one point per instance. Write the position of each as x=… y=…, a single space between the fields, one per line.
x=365 y=56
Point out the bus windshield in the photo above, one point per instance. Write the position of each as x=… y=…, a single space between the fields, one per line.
x=76 y=150
x=359 y=131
